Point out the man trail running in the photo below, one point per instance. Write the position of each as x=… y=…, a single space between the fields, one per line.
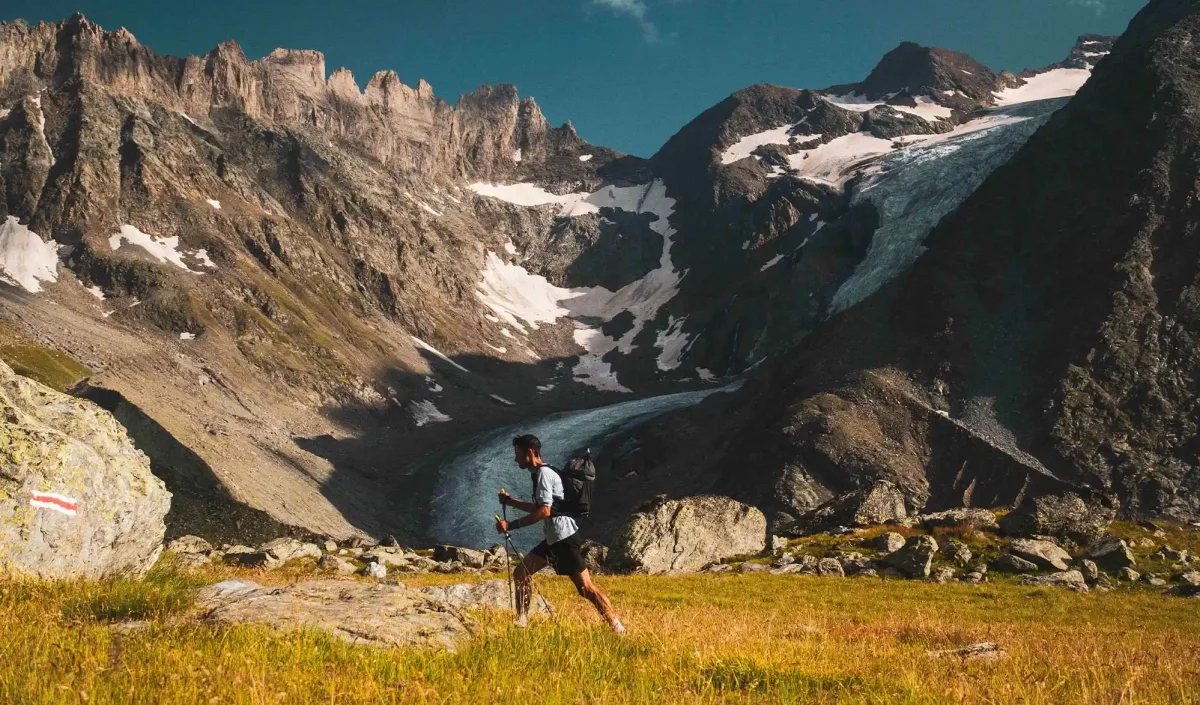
x=560 y=547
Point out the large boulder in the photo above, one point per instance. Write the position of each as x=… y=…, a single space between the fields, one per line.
x=1066 y=514
x=915 y=558
x=1008 y=563
x=77 y=499
x=489 y=594
x=1046 y=554
x=289 y=549
x=469 y=557
x=1112 y=554
x=687 y=534
x=879 y=503
x=359 y=612
x=1070 y=579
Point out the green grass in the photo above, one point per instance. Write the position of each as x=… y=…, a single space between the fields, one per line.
x=698 y=638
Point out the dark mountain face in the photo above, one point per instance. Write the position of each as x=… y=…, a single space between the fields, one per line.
x=914 y=70
x=1045 y=342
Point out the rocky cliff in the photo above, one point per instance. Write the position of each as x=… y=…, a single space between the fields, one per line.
x=1043 y=343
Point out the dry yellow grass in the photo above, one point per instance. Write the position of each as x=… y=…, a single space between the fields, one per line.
x=734 y=638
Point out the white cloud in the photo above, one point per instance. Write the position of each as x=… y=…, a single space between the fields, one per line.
x=1097 y=5
x=637 y=10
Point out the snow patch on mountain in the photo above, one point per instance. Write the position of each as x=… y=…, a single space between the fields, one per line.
x=515 y=295
x=1056 y=83
x=746 y=145
x=771 y=263
x=833 y=162
x=672 y=341
x=165 y=249
x=926 y=108
x=40 y=123
x=25 y=259
x=437 y=353
x=214 y=203
x=424 y=412
x=585 y=157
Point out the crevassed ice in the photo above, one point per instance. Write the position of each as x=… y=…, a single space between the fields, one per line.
x=25 y=259
x=912 y=189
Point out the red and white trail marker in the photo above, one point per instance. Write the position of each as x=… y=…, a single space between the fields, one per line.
x=55 y=501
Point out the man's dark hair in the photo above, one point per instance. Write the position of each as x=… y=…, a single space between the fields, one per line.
x=528 y=442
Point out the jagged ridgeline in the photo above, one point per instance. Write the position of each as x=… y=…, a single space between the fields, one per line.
x=294 y=287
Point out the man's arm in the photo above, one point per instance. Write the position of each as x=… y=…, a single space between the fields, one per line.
x=539 y=513
x=527 y=507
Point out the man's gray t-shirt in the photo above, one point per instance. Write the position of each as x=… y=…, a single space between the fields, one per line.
x=548 y=486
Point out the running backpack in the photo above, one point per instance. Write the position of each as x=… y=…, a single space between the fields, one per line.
x=578 y=477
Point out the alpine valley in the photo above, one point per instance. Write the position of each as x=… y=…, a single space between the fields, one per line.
x=308 y=301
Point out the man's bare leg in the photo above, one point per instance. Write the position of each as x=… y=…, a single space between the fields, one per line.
x=524 y=586
x=588 y=589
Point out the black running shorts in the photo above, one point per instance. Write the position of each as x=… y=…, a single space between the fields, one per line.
x=564 y=556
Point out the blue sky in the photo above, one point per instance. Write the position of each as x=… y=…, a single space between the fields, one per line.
x=628 y=73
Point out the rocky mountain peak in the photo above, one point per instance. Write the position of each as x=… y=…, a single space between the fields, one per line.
x=916 y=70
x=1088 y=50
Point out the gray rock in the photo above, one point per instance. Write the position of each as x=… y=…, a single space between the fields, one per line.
x=915 y=558
x=1128 y=574
x=375 y=570
x=687 y=534
x=866 y=573
x=489 y=594
x=1065 y=514
x=1046 y=554
x=390 y=557
x=942 y=575
x=466 y=556
x=793 y=569
x=830 y=568
x=753 y=567
x=77 y=499
x=1091 y=572
x=189 y=544
x=374 y=614
x=251 y=558
x=778 y=544
x=973 y=517
x=595 y=556
x=974 y=578
x=289 y=549
x=1112 y=554
x=1152 y=579
x=451 y=567
x=718 y=568
x=984 y=651
x=785 y=559
x=855 y=563
x=1008 y=563
x=1191 y=578
x=337 y=565
x=192 y=560
x=889 y=542
x=331 y=546
x=1166 y=553
x=879 y=503
x=1070 y=579
x=956 y=551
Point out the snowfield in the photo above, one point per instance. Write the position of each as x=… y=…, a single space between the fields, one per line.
x=1059 y=83
x=165 y=249
x=519 y=298
x=25 y=259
